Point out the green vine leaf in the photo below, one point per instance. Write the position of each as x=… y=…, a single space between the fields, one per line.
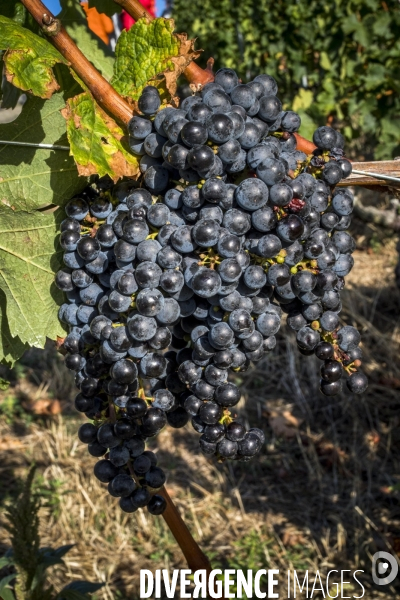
x=28 y=59
x=97 y=142
x=147 y=50
x=29 y=258
x=32 y=178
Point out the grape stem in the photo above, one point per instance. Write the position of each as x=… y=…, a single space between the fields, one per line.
x=111 y=409
x=193 y=73
x=102 y=91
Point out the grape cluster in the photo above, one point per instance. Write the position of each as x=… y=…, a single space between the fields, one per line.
x=172 y=284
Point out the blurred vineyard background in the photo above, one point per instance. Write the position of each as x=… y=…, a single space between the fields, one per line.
x=325 y=493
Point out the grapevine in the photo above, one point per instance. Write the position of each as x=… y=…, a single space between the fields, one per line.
x=180 y=274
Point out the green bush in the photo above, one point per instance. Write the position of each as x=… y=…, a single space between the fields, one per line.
x=334 y=61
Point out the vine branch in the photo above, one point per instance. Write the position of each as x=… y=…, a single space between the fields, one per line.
x=104 y=94
x=195 y=558
x=135 y=9
x=388 y=167
x=304 y=145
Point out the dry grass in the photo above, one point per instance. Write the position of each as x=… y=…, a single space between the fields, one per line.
x=324 y=494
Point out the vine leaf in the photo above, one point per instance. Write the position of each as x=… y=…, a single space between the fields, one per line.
x=147 y=50
x=32 y=178
x=11 y=348
x=29 y=257
x=28 y=59
x=301 y=104
x=308 y=126
x=96 y=141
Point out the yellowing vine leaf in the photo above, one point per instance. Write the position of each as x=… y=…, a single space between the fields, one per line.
x=28 y=59
x=97 y=143
x=147 y=50
x=29 y=258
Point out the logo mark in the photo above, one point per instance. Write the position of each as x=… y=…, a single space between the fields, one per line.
x=380 y=573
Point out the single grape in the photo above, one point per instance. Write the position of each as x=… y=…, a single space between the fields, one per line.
x=157 y=505
x=357 y=383
x=325 y=137
x=270 y=107
x=220 y=128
